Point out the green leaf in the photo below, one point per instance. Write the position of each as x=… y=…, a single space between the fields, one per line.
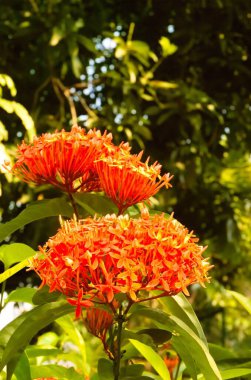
x=180 y=307
x=105 y=369
x=243 y=301
x=132 y=371
x=3 y=132
x=13 y=270
x=95 y=203
x=153 y=358
x=55 y=371
x=21 y=295
x=35 y=351
x=43 y=296
x=235 y=372
x=184 y=340
x=49 y=338
x=6 y=80
x=140 y=336
x=167 y=47
x=159 y=336
x=22 y=370
x=58 y=33
x=35 y=211
x=87 y=43
x=162 y=85
x=221 y=353
x=144 y=132
x=11 y=106
x=14 y=253
x=70 y=328
x=27 y=327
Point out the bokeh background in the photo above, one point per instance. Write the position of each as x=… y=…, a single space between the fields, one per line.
x=171 y=77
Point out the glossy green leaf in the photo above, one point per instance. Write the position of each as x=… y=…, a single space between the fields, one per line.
x=159 y=336
x=21 y=295
x=35 y=211
x=14 y=253
x=55 y=371
x=44 y=295
x=153 y=358
x=235 y=372
x=27 y=327
x=140 y=336
x=16 y=268
x=180 y=307
x=22 y=370
x=105 y=369
x=184 y=336
x=95 y=204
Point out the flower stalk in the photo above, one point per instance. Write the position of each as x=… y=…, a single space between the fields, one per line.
x=117 y=359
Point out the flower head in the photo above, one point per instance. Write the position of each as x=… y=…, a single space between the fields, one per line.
x=98 y=322
x=62 y=159
x=91 y=179
x=127 y=180
x=96 y=258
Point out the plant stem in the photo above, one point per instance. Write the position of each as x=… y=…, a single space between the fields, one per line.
x=2 y=295
x=74 y=205
x=118 y=348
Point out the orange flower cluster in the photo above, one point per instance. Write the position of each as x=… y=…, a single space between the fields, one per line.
x=61 y=158
x=98 y=322
x=79 y=161
x=171 y=362
x=93 y=259
x=127 y=180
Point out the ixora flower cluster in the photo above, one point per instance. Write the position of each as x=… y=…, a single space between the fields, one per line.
x=79 y=161
x=110 y=259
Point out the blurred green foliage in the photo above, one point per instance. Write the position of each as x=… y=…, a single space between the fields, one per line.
x=170 y=77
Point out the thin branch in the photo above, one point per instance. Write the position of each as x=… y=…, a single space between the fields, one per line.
x=164 y=294
x=38 y=90
x=88 y=110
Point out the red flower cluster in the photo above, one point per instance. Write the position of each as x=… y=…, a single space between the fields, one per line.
x=61 y=158
x=127 y=180
x=79 y=161
x=98 y=322
x=96 y=258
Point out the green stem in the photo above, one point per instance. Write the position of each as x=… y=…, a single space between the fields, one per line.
x=117 y=359
x=2 y=295
x=74 y=205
